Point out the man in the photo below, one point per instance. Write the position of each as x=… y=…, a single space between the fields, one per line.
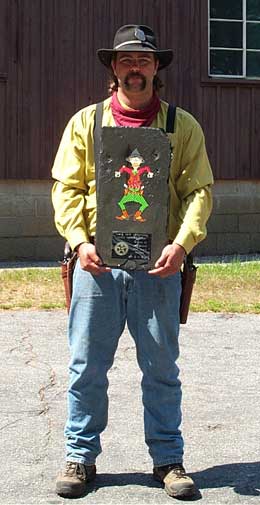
x=103 y=298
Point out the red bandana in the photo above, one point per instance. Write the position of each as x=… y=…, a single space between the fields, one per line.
x=135 y=117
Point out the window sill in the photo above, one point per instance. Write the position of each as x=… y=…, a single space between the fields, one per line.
x=229 y=81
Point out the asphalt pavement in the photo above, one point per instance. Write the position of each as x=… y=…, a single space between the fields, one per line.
x=219 y=362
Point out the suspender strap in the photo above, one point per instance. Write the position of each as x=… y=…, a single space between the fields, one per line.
x=171 y=113
x=97 y=138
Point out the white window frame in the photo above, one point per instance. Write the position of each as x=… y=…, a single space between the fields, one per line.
x=243 y=49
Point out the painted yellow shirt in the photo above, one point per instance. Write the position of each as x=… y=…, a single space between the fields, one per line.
x=74 y=190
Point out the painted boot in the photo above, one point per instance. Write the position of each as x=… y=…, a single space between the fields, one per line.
x=124 y=216
x=138 y=217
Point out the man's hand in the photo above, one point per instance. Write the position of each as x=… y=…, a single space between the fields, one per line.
x=170 y=261
x=89 y=260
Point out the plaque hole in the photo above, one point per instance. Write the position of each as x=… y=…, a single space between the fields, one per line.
x=156 y=155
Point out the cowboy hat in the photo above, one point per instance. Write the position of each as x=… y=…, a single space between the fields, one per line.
x=135 y=38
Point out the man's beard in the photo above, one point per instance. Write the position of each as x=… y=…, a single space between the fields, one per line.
x=128 y=85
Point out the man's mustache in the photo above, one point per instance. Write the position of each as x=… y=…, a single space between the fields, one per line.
x=135 y=74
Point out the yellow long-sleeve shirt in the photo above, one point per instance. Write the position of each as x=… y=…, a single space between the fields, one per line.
x=74 y=191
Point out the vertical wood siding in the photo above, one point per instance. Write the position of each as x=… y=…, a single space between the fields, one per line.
x=3 y=86
x=49 y=70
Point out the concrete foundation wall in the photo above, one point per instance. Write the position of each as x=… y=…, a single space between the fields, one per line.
x=27 y=231
x=234 y=226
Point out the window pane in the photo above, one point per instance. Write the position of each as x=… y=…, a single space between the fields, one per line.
x=226 y=62
x=226 y=9
x=253 y=10
x=226 y=34
x=253 y=64
x=253 y=36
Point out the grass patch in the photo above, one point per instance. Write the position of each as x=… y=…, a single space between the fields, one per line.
x=31 y=288
x=232 y=287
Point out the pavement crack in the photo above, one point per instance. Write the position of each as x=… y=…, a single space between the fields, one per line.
x=52 y=381
x=31 y=359
x=25 y=346
x=7 y=425
x=45 y=411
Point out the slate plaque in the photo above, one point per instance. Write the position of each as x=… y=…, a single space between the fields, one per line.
x=132 y=196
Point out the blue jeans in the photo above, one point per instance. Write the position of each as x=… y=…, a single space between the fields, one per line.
x=101 y=305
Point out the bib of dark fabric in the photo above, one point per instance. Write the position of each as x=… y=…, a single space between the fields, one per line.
x=134 y=117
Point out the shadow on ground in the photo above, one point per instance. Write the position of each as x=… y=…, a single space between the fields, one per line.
x=244 y=478
x=146 y=480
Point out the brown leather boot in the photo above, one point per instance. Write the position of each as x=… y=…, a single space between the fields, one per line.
x=124 y=215
x=73 y=480
x=138 y=216
x=176 y=482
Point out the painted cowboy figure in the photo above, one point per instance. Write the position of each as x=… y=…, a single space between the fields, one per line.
x=104 y=298
x=133 y=188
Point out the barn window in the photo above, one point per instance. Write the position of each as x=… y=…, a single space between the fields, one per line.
x=234 y=38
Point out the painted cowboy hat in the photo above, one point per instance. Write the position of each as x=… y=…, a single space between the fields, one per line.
x=136 y=38
x=135 y=154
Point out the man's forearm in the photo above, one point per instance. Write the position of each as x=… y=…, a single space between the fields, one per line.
x=68 y=205
x=194 y=214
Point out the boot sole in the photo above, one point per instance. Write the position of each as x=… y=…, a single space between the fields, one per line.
x=184 y=493
x=66 y=491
